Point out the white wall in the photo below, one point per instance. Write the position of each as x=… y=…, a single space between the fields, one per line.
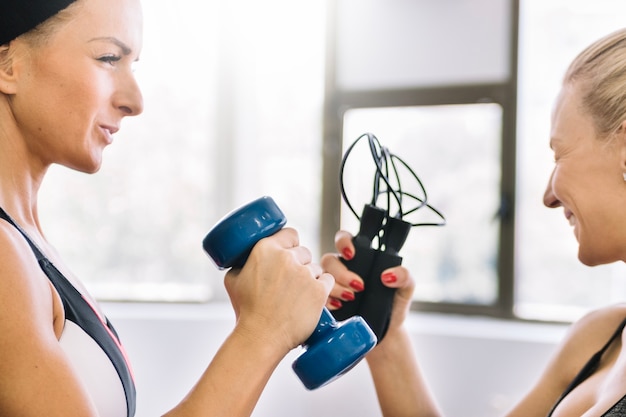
x=477 y=367
x=384 y=44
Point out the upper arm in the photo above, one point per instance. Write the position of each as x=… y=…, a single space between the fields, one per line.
x=583 y=340
x=35 y=376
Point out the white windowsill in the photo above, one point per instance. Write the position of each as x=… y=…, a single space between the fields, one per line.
x=418 y=322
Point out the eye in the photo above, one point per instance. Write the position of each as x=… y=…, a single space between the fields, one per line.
x=110 y=59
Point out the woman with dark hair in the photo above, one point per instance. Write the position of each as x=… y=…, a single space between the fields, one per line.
x=66 y=83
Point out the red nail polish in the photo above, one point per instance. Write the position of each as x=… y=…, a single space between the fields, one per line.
x=357 y=285
x=389 y=277
x=347 y=254
x=347 y=295
x=335 y=303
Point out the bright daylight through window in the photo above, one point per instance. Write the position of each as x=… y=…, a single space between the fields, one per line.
x=233 y=111
x=455 y=152
x=133 y=231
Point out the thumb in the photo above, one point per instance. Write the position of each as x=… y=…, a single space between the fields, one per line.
x=398 y=277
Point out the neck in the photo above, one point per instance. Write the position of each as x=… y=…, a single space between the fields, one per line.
x=21 y=175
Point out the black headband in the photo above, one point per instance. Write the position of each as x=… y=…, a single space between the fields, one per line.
x=20 y=16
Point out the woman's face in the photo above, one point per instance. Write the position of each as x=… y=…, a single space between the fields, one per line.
x=73 y=91
x=587 y=181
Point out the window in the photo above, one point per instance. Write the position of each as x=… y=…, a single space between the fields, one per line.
x=232 y=108
x=239 y=105
x=455 y=152
x=435 y=84
x=393 y=64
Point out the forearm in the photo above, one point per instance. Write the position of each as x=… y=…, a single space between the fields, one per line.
x=400 y=385
x=235 y=379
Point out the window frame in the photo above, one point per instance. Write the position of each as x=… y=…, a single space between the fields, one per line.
x=338 y=101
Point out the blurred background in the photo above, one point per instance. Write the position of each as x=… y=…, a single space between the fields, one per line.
x=246 y=98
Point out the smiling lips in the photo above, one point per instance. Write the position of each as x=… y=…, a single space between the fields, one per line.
x=570 y=217
x=109 y=131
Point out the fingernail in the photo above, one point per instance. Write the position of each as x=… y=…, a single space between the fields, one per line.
x=347 y=254
x=347 y=295
x=335 y=303
x=389 y=277
x=357 y=285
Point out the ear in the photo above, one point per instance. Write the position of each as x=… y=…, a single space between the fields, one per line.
x=7 y=74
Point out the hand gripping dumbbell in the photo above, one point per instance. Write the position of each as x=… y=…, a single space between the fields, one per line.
x=374 y=304
x=334 y=347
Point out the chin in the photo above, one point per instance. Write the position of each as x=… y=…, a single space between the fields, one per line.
x=93 y=169
x=594 y=259
x=90 y=168
x=92 y=164
x=587 y=262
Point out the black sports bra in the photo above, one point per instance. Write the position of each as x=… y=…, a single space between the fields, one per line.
x=619 y=409
x=89 y=327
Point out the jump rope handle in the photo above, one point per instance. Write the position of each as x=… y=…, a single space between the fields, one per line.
x=375 y=302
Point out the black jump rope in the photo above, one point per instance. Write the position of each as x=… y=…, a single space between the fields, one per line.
x=382 y=232
x=335 y=347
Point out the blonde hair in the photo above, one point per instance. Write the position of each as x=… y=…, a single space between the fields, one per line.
x=599 y=71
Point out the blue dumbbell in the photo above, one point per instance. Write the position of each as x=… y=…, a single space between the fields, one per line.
x=334 y=347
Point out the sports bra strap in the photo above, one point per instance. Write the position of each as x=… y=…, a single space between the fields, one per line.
x=38 y=253
x=79 y=311
x=618 y=331
x=591 y=366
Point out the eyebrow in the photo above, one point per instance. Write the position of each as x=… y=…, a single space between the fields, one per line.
x=125 y=49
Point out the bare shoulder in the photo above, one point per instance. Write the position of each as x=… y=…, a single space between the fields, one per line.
x=597 y=326
x=21 y=279
x=586 y=336
x=583 y=339
x=29 y=308
x=36 y=377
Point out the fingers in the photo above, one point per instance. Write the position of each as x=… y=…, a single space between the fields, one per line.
x=286 y=238
x=347 y=283
x=279 y=290
x=400 y=278
x=397 y=277
x=343 y=243
x=333 y=264
x=328 y=281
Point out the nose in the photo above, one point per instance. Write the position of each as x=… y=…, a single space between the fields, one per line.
x=129 y=99
x=549 y=199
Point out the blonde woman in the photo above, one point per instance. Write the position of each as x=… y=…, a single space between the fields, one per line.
x=587 y=375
